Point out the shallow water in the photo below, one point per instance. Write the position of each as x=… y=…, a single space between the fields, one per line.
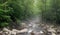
x=34 y=26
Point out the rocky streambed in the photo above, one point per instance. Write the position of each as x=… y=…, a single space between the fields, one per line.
x=43 y=29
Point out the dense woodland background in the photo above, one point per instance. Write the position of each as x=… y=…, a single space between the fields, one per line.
x=12 y=12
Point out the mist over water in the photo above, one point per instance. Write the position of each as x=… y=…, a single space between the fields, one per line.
x=34 y=25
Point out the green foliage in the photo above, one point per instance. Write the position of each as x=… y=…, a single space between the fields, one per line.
x=51 y=11
x=12 y=10
x=4 y=17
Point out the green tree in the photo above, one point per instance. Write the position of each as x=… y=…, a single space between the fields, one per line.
x=12 y=10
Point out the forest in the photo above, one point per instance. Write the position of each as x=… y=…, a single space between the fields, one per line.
x=13 y=13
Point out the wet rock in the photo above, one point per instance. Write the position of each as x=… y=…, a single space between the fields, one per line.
x=23 y=25
x=24 y=33
x=23 y=30
x=14 y=30
x=51 y=30
x=6 y=30
x=1 y=33
x=58 y=31
x=32 y=33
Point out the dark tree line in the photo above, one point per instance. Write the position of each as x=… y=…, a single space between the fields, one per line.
x=52 y=11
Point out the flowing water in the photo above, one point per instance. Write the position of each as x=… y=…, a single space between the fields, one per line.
x=34 y=26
